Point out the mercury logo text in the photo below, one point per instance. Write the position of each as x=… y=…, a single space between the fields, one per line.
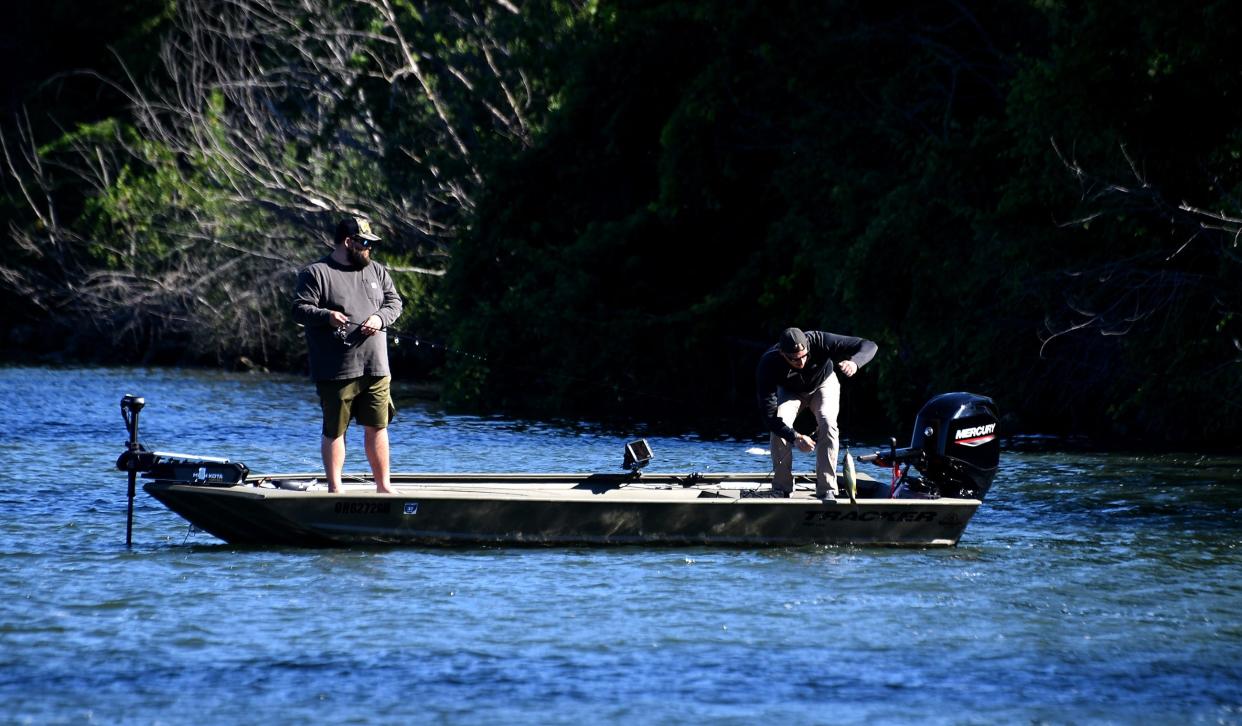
x=974 y=431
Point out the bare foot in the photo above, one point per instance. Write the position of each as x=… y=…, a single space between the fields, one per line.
x=385 y=489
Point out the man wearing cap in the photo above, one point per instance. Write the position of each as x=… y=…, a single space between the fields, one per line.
x=799 y=372
x=345 y=301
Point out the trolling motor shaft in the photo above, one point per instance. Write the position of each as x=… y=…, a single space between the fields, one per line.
x=131 y=406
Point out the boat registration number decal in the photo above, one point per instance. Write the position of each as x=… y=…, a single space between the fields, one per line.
x=834 y=516
x=363 y=508
x=411 y=508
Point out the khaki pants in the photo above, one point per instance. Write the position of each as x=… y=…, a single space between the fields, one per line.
x=825 y=403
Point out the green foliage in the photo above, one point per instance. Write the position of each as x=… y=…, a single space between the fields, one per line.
x=715 y=173
x=1003 y=195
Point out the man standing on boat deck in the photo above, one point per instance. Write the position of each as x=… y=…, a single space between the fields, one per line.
x=346 y=301
x=799 y=372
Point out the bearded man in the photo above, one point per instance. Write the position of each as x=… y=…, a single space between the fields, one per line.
x=345 y=301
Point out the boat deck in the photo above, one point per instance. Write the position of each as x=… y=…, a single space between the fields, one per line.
x=560 y=486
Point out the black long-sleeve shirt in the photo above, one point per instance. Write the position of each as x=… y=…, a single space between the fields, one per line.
x=824 y=352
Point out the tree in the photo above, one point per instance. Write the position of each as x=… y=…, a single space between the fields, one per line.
x=180 y=225
x=1125 y=139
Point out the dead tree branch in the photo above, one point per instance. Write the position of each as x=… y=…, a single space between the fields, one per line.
x=1195 y=260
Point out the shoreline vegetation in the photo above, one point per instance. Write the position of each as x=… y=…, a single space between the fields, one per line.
x=422 y=392
x=600 y=209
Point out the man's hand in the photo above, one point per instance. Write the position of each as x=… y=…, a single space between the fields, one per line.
x=338 y=319
x=372 y=325
x=848 y=367
x=803 y=442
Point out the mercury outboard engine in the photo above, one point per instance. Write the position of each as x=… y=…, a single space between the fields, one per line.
x=956 y=447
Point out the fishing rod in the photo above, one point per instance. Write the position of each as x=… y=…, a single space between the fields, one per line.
x=345 y=335
x=848 y=471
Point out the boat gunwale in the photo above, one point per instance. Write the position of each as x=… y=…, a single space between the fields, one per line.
x=558 y=494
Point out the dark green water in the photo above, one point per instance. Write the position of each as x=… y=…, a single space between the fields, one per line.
x=1088 y=589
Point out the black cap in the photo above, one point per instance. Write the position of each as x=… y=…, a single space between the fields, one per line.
x=355 y=227
x=792 y=341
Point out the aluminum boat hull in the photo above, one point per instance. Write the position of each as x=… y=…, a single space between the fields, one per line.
x=557 y=509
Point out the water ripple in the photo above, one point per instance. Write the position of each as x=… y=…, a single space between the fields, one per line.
x=1090 y=588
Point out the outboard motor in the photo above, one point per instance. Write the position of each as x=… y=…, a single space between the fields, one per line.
x=956 y=446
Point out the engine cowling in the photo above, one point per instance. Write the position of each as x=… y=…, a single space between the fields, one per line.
x=959 y=435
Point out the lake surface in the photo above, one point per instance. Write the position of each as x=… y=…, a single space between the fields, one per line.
x=1088 y=589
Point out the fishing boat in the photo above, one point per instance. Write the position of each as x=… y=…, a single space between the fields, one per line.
x=932 y=489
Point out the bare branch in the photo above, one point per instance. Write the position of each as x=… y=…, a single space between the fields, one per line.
x=270 y=119
x=1113 y=296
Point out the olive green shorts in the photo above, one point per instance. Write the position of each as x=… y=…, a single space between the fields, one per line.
x=366 y=399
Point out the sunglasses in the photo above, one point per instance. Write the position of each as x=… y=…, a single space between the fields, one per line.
x=365 y=244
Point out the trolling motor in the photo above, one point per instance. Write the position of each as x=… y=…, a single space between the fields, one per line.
x=180 y=468
x=956 y=448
